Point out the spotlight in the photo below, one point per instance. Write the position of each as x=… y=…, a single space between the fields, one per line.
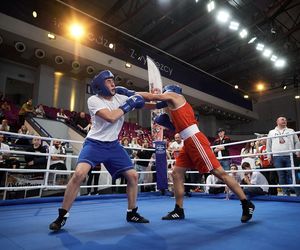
x=234 y=25
x=273 y=58
x=280 y=63
x=297 y=96
x=39 y=53
x=128 y=65
x=246 y=96
x=260 y=46
x=59 y=60
x=243 y=33
x=252 y=40
x=267 y=53
x=236 y=86
x=111 y=46
x=76 y=30
x=34 y=14
x=260 y=87
x=210 y=6
x=284 y=87
x=20 y=46
x=51 y=36
x=223 y=16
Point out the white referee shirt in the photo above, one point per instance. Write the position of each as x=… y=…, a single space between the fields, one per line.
x=103 y=130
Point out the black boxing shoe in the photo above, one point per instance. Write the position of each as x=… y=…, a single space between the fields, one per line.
x=60 y=221
x=176 y=214
x=248 y=210
x=135 y=217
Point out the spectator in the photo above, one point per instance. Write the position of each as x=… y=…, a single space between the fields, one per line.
x=175 y=146
x=142 y=165
x=125 y=144
x=81 y=122
x=265 y=163
x=220 y=150
x=3 y=158
x=95 y=177
x=61 y=116
x=4 y=126
x=134 y=143
x=254 y=178
x=36 y=161
x=235 y=175
x=249 y=149
x=211 y=179
x=40 y=112
x=5 y=107
x=23 y=140
x=283 y=143
x=26 y=110
x=57 y=162
x=88 y=127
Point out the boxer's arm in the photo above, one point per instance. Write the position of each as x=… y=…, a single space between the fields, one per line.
x=156 y=97
x=110 y=115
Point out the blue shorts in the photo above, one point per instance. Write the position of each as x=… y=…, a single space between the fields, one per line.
x=111 y=154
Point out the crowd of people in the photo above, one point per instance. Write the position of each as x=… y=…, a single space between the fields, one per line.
x=135 y=142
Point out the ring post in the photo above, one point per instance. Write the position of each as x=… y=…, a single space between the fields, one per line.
x=161 y=165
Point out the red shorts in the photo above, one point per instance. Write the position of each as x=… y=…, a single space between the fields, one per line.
x=197 y=154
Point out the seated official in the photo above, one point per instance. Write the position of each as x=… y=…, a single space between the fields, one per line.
x=254 y=178
x=211 y=179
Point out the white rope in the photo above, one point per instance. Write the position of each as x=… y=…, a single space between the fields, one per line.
x=48 y=171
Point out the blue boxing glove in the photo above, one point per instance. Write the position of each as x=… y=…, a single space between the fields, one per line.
x=124 y=91
x=164 y=120
x=133 y=102
x=162 y=104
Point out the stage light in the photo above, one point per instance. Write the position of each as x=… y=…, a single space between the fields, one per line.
x=234 y=25
x=284 y=87
x=243 y=33
x=76 y=30
x=267 y=53
x=111 y=46
x=260 y=46
x=260 y=87
x=58 y=73
x=51 y=36
x=297 y=96
x=34 y=14
x=246 y=96
x=273 y=58
x=128 y=65
x=223 y=16
x=252 y=40
x=210 y=6
x=236 y=86
x=280 y=63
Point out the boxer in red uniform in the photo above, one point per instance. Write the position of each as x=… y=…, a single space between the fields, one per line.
x=195 y=153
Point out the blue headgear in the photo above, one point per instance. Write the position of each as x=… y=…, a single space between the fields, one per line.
x=172 y=88
x=98 y=83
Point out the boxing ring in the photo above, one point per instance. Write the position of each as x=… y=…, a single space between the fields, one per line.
x=98 y=221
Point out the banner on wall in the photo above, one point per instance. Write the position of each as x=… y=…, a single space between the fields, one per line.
x=155 y=87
